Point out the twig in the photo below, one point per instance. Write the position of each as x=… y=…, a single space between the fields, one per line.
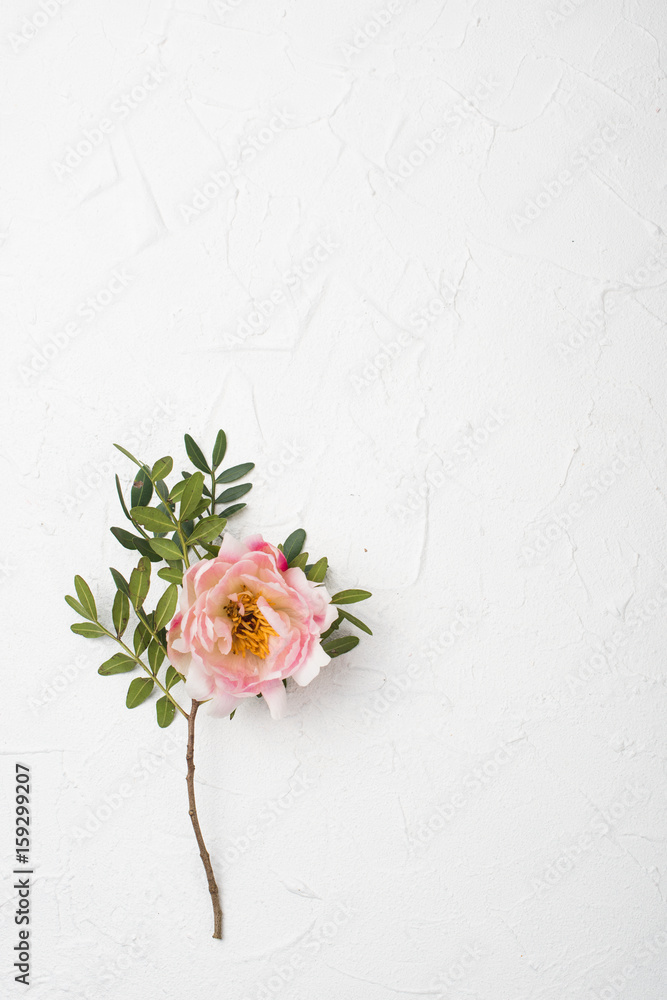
x=206 y=860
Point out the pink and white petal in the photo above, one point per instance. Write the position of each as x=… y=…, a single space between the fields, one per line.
x=221 y=704
x=330 y=615
x=275 y=696
x=199 y=685
x=311 y=666
x=254 y=543
x=209 y=573
x=231 y=549
x=180 y=660
x=279 y=623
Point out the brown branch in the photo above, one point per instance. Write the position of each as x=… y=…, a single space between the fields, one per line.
x=206 y=860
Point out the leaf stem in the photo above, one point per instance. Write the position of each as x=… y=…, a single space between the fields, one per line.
x=147 y=669
x=184 y=544
x=203 y=853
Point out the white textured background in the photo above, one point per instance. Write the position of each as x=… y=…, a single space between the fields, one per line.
x=463 y=402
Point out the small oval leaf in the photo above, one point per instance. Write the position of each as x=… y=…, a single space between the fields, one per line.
x=234 y=493
x=171 y=575
x=191 y=496
x=166 y=606
x=173 y=677
x=195 y=454
x=86 y=598
x=219 y=448
x=138 y=691
x=120 y=581
x=120 y=612
x=141 y=639
x=293 y=544
x=319 y=570
x=236 y=472
x=342 y=644
x=350 y=596
x=355 y=621
x=153 y=519
x=142 y=489
x=89 y=630
x=162 y=467
x=206 y=530
x=120 y=663
x=234 y=509
x=166 y=548
x=165 y=710
x=126 y=538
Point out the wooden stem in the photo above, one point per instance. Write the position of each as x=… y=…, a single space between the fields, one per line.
x=206 y=860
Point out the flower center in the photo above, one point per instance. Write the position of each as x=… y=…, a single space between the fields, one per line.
x=250 y=629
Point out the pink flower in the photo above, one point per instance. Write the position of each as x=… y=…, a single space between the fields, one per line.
x=245 y=623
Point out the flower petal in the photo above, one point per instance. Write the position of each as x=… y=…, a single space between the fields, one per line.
x=275 y=696
x=222 y=704
x=311 y=666
x=199 y=684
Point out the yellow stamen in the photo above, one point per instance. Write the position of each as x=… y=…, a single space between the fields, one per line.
x=250 y=629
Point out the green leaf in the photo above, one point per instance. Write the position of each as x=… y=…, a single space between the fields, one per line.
x=232 y=715
x=350 y=596
x=219 y=449
x=140 y=581
x=236 y=472
x=120 y=663
x=143 y=546
x=177 y=489
x=228 y=511
x=129 y=455
x=142 y=489
x=120 y=612
x=89 y=630
x=138 y=691
x=120 y=581
x=86 y=598
x=165 y=710
x=207 y=529
x=141 y=639
x=343 y=644
x=301 y=561
x=191 y=497
x=173 y=678
x=162 y=490
x=162 y=467
x=293 y=544
x=74 y=604
x=166 y=606
x=153 y=519
x=334 y=625
x=355 y=621
x=166 y=548
x=126 y=538
x=319 y=570
x=199 y=509
x=213 y=550
x=122 y=501
x=156 y=656
x=234 y=493
x=195 y=454
x=171 y=575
